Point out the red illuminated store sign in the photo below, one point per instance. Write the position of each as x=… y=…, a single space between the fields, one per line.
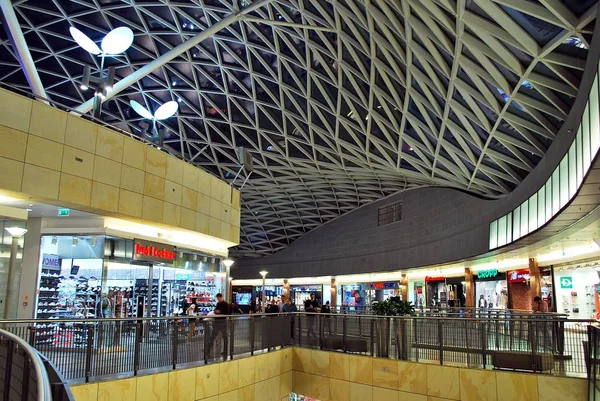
x=153 y=251
x=518 y=276
x=429 y=279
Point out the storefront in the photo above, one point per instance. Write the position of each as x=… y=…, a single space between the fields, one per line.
x=416 y=294
x=301 y=293
x=436 y=292
x=100 y=276
x=455 y=292
x=577 y=290
x=519 y=296
x=382 y=291
x=353 y=297
x=491 y=289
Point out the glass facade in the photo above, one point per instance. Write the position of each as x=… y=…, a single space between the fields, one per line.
x=5 y=253
x=562 y=185
x=96 y=276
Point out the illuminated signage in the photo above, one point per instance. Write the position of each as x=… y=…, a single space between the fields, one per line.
x=51 y=262
x=490 y=273
x=518 y=276
x=429 y=279
x=64 y=212
x=153 y=252
x=390 y=285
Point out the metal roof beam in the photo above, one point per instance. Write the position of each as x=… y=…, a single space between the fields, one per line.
x=17 y=39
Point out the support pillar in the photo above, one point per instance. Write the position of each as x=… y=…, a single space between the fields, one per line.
x=30 y=268
x=535 y=281
x=404 y=287
x=286 y=288
x=469 y=289
x=333 y=293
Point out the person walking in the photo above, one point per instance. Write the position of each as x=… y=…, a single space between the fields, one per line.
x=192 y=312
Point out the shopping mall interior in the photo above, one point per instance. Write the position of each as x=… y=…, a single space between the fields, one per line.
x=325 y=200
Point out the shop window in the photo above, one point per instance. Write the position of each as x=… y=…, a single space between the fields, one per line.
x=389 y=214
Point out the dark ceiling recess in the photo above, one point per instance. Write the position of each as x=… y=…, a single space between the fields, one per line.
x=388 y=99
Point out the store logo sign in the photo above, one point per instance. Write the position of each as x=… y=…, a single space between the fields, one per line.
x=429 y=279
x=490 y=273
x=566 y=282
x=51 y=262
x=517 y=276
x=153 y=252
x=390 y=285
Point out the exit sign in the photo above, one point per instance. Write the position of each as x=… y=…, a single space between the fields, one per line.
x=64 y=212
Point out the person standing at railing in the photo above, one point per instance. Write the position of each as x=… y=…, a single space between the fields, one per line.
x=219 y=324
x=539 y=306
x=311 y=305
x=289 y=307
x=326 y=310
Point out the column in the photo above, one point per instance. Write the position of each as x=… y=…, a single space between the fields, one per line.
x=30 y=268
x=535 y=282
x=469 y=288
x=333 y=293
x=286 y=288
x=404 y=287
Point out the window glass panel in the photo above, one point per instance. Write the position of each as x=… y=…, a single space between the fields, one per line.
x=502 y=231
x=564 y=181
x=548 y=189
x=517 y=224
x=533 y=224
x=585 y=132
x=579 y=149
x=555 y=192
x=494 y=234
x=594 y=122
x=572 y=172
x=524 y=219
x=509 y=228
x=541 y=195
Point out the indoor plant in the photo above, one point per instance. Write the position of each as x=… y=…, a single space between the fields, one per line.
x=391 y=307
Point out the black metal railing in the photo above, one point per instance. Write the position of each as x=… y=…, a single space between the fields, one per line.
x=84 y=350
x=23 y=375
x=592 y=362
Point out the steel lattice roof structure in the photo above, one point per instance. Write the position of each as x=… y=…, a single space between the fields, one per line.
x=340 y=103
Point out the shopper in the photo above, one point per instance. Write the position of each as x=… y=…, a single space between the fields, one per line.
x=219 y=325
x=539 y=305
x=272 y=307
x=191 y=312
x=289 y=307
x=311 y=306
x=326 y=310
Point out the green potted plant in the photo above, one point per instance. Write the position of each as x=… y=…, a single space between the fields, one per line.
x=383 y=326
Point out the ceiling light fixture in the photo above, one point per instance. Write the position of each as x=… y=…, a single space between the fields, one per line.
x=115 y=42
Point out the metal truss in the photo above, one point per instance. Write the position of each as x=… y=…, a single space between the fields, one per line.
x=379 y=96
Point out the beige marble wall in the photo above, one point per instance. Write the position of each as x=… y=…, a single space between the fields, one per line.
x=237 y=380
x=330 y=376
x=50 y=156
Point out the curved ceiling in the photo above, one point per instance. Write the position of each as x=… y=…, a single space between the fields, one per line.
x=340 y=103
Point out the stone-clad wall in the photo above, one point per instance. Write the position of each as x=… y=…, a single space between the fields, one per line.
x=51 y=156
x=330 y=376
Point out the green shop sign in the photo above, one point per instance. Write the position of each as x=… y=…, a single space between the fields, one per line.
x=487 y=273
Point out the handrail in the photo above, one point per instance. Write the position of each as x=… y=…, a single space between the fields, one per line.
x=44 y=391
x=528 y=316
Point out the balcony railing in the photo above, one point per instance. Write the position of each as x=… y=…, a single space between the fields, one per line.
x=85 y=350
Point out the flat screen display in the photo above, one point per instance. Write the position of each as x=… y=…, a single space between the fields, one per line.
x=243 y=298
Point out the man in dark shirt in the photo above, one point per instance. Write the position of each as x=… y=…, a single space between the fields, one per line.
x=311 y=305
x=219 y=324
